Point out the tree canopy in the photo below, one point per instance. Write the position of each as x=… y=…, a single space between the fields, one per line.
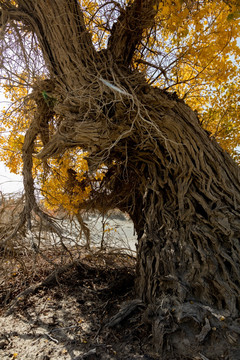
x=188 y=47
x=119 y=105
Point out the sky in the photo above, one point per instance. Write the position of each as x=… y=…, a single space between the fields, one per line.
x=9 y=182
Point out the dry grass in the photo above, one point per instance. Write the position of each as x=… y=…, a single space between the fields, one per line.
x=27 y=259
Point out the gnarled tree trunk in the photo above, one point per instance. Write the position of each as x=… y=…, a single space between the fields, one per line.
x=180 y=188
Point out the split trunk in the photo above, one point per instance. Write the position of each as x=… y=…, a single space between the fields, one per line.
x=180 y=188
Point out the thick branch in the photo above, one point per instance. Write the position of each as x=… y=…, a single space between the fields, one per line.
x=128 y=31
x=61 y=32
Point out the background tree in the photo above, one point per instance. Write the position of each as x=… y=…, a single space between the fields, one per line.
x=107 y=68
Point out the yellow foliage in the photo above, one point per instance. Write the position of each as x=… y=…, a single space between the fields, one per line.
x=196 y=45
x=14 y=121
x=201 y=54
x=55 y=184
x=59 y=189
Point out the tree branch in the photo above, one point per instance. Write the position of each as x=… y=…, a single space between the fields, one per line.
x=128 y=31
x=61 y=32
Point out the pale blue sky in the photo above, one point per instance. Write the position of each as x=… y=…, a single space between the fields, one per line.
x=9 y=183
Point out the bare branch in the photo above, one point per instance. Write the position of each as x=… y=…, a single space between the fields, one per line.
x=61 y=33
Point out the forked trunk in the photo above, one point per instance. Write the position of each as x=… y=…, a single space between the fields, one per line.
x=180 y=188
x=182 y=192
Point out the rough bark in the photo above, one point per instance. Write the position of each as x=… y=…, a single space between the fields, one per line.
x=127 y=32
x=180 y=188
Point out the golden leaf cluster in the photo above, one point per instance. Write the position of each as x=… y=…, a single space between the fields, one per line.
x=192 y=49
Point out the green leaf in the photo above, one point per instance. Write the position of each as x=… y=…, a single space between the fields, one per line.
x=45 y=95
x=234 y=16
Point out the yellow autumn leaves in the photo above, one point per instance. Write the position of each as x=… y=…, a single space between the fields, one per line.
x=52 y=179
x=57 y=186
x=194 y=50
x=200 y=49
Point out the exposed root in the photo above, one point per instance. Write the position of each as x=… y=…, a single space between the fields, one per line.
x=189 y=329
x=180 y=188
x=126 y=310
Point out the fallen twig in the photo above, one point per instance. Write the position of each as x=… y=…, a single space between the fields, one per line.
x=46 y=282
x=125 y=311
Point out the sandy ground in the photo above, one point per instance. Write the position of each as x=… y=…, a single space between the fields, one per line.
x=115 y=230
x=67 y=320
x=68 y=316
